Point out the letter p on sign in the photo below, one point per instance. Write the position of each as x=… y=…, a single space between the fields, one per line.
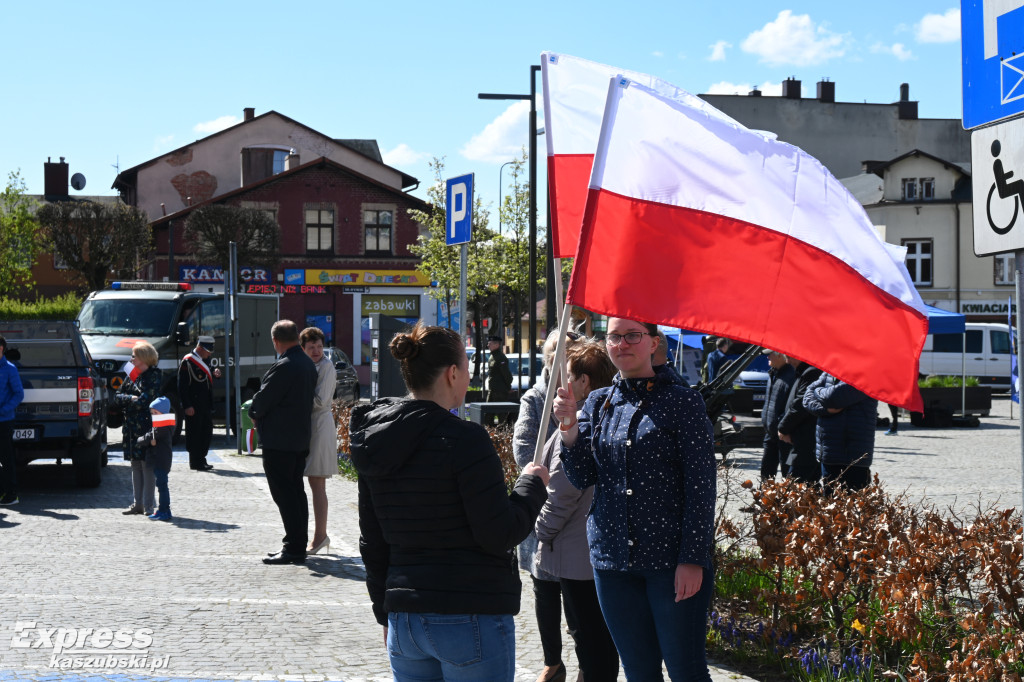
x=459 y=206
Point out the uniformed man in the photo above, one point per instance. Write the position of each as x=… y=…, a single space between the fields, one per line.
x=499 y=376
x=195 y=391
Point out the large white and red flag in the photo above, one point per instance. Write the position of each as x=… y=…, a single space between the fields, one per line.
x=697 y=222
x=574 y=94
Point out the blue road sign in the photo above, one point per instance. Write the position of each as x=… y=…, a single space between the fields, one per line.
x=459 y=205
x=992 y=38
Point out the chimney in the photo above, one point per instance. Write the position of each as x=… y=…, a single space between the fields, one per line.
x=754 y=93
x=906 y=109
x=791 y=88
x=826 y=91
x=55 y=180
x=248 y=113
x=292 y=160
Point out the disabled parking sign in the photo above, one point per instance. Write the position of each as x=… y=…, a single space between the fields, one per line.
x=997 y=170
x=992 y=40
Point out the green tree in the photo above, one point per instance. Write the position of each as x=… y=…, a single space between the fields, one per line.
x=442 y=262
x=210 y=230
x=20 y=237
x=97 y=239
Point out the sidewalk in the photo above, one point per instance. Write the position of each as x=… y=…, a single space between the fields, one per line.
x=196 y=587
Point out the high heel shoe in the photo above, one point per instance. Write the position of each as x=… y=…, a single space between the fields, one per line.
x=325 y=545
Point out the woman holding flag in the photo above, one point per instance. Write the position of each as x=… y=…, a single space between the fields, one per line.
x=646 y=445
x=140 y=388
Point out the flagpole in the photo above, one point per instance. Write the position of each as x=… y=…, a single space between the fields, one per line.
x=556 y=372
x=1019 y=258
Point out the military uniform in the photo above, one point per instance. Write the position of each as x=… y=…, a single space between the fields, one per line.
x=499 y=378
x=195 y=390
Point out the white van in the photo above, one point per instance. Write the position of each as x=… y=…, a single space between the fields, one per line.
x=987 y=354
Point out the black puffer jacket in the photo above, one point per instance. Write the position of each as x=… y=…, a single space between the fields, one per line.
x=437 y=528
x=846 y=437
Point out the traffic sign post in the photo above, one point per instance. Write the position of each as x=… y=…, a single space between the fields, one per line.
x=992 y=40
x=459 y=230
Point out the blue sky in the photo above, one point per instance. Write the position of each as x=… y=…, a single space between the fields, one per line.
x=109 y=83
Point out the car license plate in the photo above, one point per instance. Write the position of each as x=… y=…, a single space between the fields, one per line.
x=759 y=396
x=24 y=434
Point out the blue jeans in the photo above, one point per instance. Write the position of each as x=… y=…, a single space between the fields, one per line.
x=165 y=494
x=436 y=646
x=648 y=625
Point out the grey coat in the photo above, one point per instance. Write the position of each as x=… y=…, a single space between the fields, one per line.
x=562 y=524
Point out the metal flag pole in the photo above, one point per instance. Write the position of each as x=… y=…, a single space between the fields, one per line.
x=565 y=314
x=1019 y=276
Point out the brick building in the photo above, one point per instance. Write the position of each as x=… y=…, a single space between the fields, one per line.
x=343 y=214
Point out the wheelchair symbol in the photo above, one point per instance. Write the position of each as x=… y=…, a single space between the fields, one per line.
x=1007 y=190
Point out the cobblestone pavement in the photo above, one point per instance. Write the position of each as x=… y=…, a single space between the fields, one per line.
x=191 y=600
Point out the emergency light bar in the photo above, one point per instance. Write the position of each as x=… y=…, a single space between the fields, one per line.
x=151 y=286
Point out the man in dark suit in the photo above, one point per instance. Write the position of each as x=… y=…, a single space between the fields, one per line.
x=282 y=411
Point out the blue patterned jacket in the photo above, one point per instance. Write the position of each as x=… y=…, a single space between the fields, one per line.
x=647 y=445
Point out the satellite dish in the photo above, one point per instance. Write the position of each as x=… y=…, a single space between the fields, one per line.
x=78 y=181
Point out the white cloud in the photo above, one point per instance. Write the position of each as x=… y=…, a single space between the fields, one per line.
x=657 y=53
x=402 y=155
x=796 y=40
x=718 y=51
x=216 y=125
x=726 y=88
x=162 y=142
x=898 y=50
x=503 y=138
x=939 y=28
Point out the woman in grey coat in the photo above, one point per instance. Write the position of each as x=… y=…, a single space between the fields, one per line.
x=562 y=530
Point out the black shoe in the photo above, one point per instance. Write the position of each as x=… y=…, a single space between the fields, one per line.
x=202 y=467
x=282 y=558
x=8 y=499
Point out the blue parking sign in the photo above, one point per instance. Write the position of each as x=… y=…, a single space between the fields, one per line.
x=459 y=207
x=992 y=39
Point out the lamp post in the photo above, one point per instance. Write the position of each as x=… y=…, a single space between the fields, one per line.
x=532 y=97
x=501 y=291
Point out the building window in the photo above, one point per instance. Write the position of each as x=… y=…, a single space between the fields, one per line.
x=909 y=189
x=927 y=188
x=1004 y=269
x=319 y=230
x=377 y=226
x=919 y=261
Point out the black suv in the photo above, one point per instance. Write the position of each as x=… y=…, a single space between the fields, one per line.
x=64 y=413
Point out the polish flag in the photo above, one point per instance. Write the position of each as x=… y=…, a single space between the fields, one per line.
x=131 y=371
x=574 y=96
x=163 y=420
x=700 y=223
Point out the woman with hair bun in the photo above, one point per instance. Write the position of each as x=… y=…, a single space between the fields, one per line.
x=437 y=526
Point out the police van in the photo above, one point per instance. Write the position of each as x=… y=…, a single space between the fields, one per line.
x=983 y=351
x=172 y=316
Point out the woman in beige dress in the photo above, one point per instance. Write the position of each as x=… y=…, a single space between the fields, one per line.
x=322 y=462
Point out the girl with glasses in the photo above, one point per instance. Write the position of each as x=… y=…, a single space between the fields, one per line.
x=645 y=444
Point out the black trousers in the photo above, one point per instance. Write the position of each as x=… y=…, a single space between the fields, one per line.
x=547 y=605
x=595 y=650
x=198 y=433
x=8 y=473
x=773 y=457
x=284 y=477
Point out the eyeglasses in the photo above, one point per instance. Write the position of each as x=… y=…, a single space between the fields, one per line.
x=631 y=338
x=573 y=336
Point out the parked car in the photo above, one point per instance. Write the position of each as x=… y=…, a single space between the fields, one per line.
x=518 y=364
x=348 y=382
x=64 y=414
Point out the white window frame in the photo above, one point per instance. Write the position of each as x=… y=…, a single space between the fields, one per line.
x=916 y=259
x=928 y=189
x=1003 y=275
x=909 y=191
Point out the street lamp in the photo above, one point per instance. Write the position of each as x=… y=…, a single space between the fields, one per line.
x=501 y=291
x=532 y=97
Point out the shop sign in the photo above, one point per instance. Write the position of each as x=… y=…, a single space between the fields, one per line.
x=407 y=278
x=285 y=289
x=213 y=274
x=986 y=307
x=391 y=304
